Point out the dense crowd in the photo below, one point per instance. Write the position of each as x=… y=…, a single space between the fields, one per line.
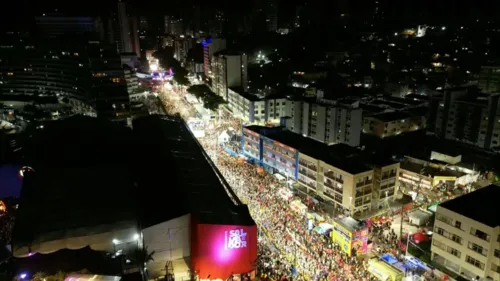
x=7 y=217
x=284 y=238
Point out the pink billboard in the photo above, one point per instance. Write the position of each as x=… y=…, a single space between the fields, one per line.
x=218 y=251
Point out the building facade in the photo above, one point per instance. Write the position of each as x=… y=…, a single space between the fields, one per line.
x=392 y=124
x=228 y=70
x=31 y=71
x=356 y=188
x=210 y=47
x=255 y=109
x=489 y=79
x=109 y=84
x=469 y=118
x=330 y=122
x=337 y=174
x=55 y=25
x=181 y=48
x=125 y=45
x=467 y=240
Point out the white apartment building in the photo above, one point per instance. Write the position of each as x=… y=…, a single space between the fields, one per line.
x=466 y=236
x=327 y=121
x=229 y=69
x=255 y=109
x=342 y=176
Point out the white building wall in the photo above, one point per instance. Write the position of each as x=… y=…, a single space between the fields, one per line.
x=445 y=244
x=170 y=241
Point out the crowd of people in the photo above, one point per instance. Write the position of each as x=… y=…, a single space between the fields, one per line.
x=287 y=248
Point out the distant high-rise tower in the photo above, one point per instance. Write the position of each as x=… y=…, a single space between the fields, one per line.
x=196 y=18
x=271 y=15
x=123 y=22
x=134 y=36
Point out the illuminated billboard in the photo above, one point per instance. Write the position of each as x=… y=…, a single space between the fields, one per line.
x=348 y=240
x=342 y=236
x=219 y=251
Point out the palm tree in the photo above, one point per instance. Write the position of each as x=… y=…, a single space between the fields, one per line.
x=39 y=276
x=141 y=257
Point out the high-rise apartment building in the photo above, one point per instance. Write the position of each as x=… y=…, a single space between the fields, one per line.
x=271 y=10
x=56 y=25
x=469 y=117
x=229 y=69
x=466 y=236
x=181 y=48
x=143 y=23
x=173 y=25
x=45 y=69
x=196 y=19
x=489 y=79
x=327 y=121
x=109 y=86
x=210 y=47
x=124 y=29
x=134 y=35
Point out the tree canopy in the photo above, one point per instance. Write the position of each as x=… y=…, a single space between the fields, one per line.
x=166 y=59
x=210 y=100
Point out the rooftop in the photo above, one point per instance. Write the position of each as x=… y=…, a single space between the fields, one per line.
x=351 y=224
x=176 y=177
x=229 y=53
x=429 y=170
x=389 y=104
x=404 y=101
x=78 y=162
x=240 y=91
x=340 y=156
x=391 y=116
x=480 y=205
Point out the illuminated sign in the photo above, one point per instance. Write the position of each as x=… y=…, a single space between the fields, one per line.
x=237 y=239
x=222 y=250
x=206 y=42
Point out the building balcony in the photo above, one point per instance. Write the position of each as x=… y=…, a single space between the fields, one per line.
x=331 y=176
x=388 y=176
x=363 y=183
x=311 y=176
x=363 y=192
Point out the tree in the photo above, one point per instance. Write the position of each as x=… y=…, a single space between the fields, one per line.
x=212 y=102
x=39 y=276
x=181 y=80
x=141 y=257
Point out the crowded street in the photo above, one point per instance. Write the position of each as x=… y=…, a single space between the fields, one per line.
x=287 y=248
